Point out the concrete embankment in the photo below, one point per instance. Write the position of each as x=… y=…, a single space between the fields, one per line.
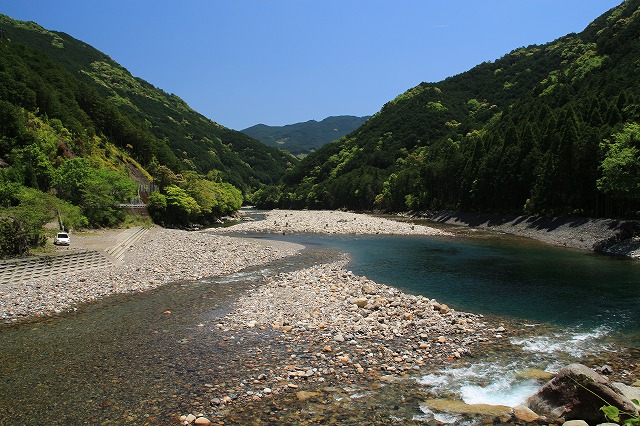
x=602 y=235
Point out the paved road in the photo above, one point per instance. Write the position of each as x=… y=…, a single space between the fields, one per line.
x=68 y=262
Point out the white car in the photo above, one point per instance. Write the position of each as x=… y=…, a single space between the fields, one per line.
x=62 y=239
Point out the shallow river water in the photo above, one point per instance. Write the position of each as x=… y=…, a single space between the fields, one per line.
x=124 y=361
x=569 y=305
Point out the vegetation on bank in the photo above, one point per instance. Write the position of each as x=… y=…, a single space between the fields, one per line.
x=550 y=129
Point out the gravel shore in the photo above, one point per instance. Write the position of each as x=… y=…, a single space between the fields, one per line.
x=330 y=222
x=342 y=332
x=162 y=256
x=338 y=309
x=168 y=255
x=329 y=331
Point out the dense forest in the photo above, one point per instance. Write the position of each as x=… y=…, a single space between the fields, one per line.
x=79 y=136
x=547 y=129
x=178 y=136
x=300 y=139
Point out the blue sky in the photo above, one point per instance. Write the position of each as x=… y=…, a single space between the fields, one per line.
x=276 y=62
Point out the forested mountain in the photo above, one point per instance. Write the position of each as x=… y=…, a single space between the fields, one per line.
x=157 y=123
x=79 y=135
x=546 y=129
x=302 y=138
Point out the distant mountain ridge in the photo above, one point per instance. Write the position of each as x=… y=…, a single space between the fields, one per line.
x=301 y=139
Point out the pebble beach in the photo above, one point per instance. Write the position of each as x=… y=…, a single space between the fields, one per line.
x=330 y=222
x=163 y=256
x=168 y=255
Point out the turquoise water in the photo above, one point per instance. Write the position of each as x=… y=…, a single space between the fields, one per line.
x=502 y=275
x=577 y=306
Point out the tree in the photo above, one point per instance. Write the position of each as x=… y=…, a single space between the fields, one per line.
x=157 y=206
x=33 y=166
x=181 y=207
x=13 y=241
x=98 y=191
x=27 y=210
x=621 y=165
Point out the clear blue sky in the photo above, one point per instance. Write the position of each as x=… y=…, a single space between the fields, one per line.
x=276 y=62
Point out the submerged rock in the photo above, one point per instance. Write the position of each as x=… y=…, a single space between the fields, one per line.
x=306 y=395
x=534 y=374
x=577 y=392
x=459 y=407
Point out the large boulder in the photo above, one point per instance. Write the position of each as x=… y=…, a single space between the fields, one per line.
x=578 y=392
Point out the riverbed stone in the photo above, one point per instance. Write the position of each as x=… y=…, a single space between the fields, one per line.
x=360 y=302
x=630 y=392
x=534 y=374
x=525 y=414
x=459 y=407
x=575 y=423
x=306 y=395
x=202 y=421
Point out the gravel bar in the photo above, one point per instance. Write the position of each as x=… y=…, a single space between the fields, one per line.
x=161 y=257
x=330 y=222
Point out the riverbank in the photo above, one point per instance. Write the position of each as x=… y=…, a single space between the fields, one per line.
x=323 y=329
x=620 y=237
x=162 y=256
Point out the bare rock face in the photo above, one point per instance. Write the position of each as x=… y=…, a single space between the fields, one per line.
x=577 y=392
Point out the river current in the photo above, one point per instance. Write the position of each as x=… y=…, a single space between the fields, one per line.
x=121 y=361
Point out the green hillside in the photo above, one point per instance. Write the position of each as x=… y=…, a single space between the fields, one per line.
x=181 y=138
x=79 y=136
x=301 y=139
x=546 y=129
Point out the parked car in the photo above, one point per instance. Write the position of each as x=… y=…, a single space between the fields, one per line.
x=62 y=239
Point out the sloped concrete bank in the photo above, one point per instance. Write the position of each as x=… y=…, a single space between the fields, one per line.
x=611 y=236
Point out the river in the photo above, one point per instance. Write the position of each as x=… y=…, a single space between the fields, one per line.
x=120 y=361
x=578 y=306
